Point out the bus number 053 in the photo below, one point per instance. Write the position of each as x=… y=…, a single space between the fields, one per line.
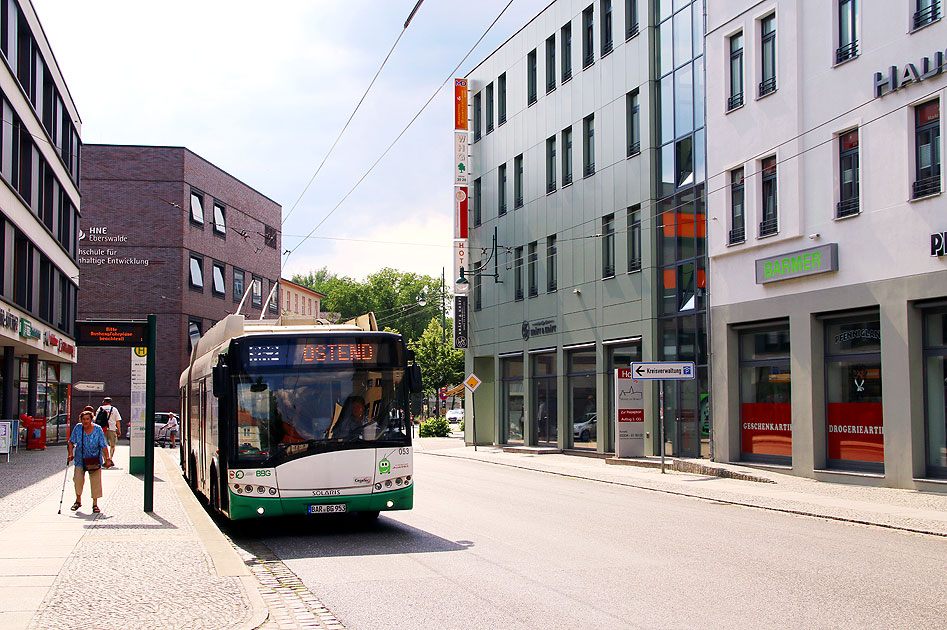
x=404 y=451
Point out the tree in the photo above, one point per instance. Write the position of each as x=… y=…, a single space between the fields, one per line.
x=391 y=294
x=440 y=364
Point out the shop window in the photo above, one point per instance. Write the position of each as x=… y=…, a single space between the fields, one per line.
x=583 y=416
x=619 y=354
x=935 y=392
x=765 y=395
x=512 y=402
x=543 y=398
x=854 y=421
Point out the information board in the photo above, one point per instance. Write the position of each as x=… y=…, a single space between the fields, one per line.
x=629 y=414
x=136 y=413
x=111 y=333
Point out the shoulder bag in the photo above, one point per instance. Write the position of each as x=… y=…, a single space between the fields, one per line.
x=89 y=463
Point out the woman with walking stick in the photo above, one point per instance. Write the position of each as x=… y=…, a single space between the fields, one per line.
x=92 y=454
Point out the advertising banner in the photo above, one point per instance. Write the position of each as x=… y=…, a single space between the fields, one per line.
x=136 y=412
x=766 y=428
x=856 y=432
x=461 y=260
x=460 y=322
x=461 y=176
x=460 y=212
x=629 y=414
x=460 y=104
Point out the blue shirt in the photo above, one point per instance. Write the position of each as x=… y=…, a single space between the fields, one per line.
x=88 y=445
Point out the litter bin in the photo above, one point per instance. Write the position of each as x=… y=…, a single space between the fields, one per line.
x=35 y=433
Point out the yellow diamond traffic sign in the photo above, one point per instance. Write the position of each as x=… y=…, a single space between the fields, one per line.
x=472 y=382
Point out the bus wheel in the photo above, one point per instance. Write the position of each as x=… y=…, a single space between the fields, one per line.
x=214 y=498
x=368 y=516
x=192 y=473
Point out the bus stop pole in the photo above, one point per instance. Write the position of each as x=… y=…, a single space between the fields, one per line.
x=150 y=415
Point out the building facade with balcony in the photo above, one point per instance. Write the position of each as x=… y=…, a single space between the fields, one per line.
x=39 y=219
x=587 y=163
x=169 y=233
x=826 y=232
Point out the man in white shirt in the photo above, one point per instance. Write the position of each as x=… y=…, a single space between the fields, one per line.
x=172 y=427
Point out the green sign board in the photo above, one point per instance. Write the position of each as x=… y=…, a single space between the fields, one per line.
x=798 y=264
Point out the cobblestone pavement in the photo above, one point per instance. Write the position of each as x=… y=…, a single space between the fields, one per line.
x=291 y=605
x=138 y=570
x=27 y=478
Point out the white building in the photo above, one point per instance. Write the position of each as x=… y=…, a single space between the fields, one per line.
x=296 y=299
x=826 y=222
x=39 y=218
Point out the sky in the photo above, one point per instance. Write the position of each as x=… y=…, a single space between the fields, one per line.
x=262 y=90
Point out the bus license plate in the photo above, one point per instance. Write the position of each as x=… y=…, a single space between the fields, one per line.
x=331 y=508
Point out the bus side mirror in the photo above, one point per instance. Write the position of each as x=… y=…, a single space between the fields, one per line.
x=414 y=378
x=219 y=378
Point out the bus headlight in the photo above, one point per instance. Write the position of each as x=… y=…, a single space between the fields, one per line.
x=261 y=489
x=390 y=504
x=388 y=483
x=260 y=510
x=398 y=481
x=273 y=491
x=378 y=486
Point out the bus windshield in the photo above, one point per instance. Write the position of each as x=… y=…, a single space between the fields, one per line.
x=281 y=413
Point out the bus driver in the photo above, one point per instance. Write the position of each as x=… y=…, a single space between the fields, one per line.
x=351 y=420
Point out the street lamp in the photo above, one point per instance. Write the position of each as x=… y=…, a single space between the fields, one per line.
x=476 y=272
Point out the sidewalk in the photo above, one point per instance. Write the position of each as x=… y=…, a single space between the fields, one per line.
x=121 y=568
x=908 y=510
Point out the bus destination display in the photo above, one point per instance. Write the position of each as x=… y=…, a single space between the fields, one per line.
x=304 y=352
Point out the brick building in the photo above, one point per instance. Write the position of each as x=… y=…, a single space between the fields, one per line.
x=166 y=232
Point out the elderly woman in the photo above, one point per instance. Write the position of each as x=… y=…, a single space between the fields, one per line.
x=91 y=455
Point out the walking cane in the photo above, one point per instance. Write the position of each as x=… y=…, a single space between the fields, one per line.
x=61 y=494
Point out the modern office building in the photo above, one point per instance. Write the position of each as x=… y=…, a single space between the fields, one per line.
x=39 y=217
x=167 y=232
x=587 y=162
x=295 y=299
x=826 y=234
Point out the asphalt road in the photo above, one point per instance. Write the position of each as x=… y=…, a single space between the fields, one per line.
x=488 y=546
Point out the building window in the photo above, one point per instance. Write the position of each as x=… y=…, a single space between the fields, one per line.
x=269 y=236
x=195 y=328
x=927 y=148
x=477 y=202
x=736 y=72
x=631 y=18
x=588 y=38
x=238 y=284
x=197 y=208
x=737 y=205
x=926 y=11
x=633 y=123
x=551 y=164
x=552 y=281
x=634 y=238
x=219 y=288
x=606 y=27
x=566 y=156
x=848 y=174
x=769 y=223
x=501 y=190
x=588 y=148
x=531 y=77
x=274 y=304
x=935 y=391
x=531 y=270
x=489 y=93
x=847 y=30
x=220 y=220
x=580 y=378
x=196 y=277
x=477 y=114
x=854 y=420
x=518 y=273
x=501 y=99
x=477 y=289
x=257 y=292
x=550 y=64
x=768 y=46
x=511 y=369
x=608 y=246
x=566 y=36
x=765 y=396
x=518 y=181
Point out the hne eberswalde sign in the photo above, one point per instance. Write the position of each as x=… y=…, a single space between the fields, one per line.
x=804 y=262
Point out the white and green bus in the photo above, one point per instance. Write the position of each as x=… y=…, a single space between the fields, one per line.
x=284 y=418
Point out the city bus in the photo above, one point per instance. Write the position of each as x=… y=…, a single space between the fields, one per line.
x=285 y=417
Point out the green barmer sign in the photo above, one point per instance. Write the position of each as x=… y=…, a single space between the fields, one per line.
x=798 y=264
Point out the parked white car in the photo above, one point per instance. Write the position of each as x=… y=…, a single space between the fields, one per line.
x=455 y=416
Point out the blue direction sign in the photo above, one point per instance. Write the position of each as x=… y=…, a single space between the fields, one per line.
x=664 y=370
